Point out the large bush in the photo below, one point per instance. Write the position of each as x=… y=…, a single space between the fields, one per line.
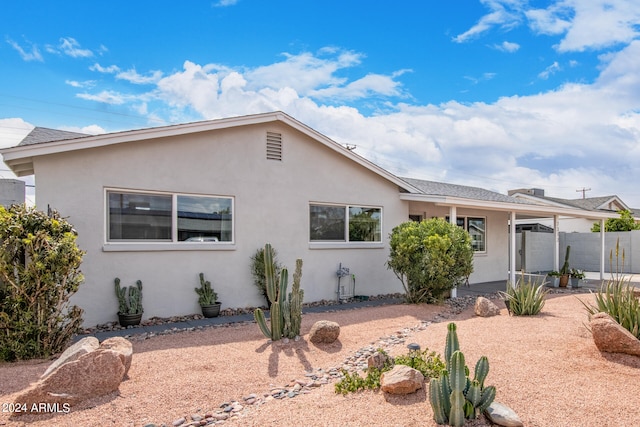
x=430 y=258
x=39 y=271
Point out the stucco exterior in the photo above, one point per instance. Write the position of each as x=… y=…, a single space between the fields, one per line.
x=271 y=204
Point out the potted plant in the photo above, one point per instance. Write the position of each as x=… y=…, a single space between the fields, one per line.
x=554 y=278
x=207 y=298
x=576 y=277
x=565 y=271
x=129 y=303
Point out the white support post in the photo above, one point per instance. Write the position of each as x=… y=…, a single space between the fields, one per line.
x=512 y=248
x=602 y=249
x=453 y=220
x=556 y=246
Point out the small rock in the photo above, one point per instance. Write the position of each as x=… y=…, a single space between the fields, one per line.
x=324 y=331
x=502 y=415
x=179 y=422
x=401 y=379
x=484 y=307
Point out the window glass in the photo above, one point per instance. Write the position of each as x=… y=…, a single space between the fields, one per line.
x=327 y=223
x=364 y=224
x=477 y=229
x=204 y=219
x=136 y=216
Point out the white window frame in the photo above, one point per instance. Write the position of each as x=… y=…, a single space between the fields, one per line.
x=325 y=244
x=164 y=245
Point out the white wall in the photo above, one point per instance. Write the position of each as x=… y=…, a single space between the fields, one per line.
x=271 y=205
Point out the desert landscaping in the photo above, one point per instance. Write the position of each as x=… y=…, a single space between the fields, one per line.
x=545 y=367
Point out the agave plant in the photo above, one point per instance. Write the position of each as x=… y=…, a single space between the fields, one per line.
x=524 y=299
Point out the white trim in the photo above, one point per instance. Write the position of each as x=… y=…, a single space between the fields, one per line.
x=167 y=246
x=346 y=245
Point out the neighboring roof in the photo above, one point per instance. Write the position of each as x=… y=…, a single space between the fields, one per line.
x=462 y=191
x=40 y=135
x=602 y=203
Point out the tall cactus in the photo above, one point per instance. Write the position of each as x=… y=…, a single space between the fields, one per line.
x=295 y=301
x=129 y=298
x=286 y=315
x=454 y=397
x=565 y=267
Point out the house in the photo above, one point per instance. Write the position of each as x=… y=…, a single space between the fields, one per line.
x=611 y=204
x=164 y=204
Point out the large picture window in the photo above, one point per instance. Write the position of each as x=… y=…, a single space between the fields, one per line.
x=332 y=223
x=137 y=217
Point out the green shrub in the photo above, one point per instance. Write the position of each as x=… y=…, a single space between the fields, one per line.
x=430 y=258
x=39 y=272
x=525 y=299
x=428 y=363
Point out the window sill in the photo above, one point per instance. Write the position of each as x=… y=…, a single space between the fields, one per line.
x=346 y=245
x=162 y=246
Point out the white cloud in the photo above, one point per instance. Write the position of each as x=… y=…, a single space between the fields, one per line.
x=111 y=69
x=507 y=47
x=505 y=14
x=225 y=3
x=132 y=76
x=71 y=47
x=551 y=69
x=106 y=97
x=33 y=55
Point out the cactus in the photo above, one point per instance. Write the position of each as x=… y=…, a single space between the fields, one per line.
x=206 y=294
x=565 y=267
x=129 y=298
x=286 y=315
x=295 y=301
x=451 y=344
x=454 y=397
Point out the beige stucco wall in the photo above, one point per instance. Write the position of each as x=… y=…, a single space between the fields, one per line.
x=271 y=205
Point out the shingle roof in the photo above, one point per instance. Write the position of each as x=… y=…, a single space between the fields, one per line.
x=41 y=135
x=590 y=203
x=462 y=191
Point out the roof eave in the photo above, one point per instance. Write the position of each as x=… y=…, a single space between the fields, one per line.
x=521 y=208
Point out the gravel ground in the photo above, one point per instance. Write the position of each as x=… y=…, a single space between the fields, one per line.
x=546 y=368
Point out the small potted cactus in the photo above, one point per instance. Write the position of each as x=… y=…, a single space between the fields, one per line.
x=208 y=298
x=129 y=303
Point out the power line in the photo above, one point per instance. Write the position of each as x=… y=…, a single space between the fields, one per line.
x=583 y=191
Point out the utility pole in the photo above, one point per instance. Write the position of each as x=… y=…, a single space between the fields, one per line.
x=583 y=191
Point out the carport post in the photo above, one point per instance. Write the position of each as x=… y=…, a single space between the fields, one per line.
x=602 y=248
x=512 y=248
x=453 y=220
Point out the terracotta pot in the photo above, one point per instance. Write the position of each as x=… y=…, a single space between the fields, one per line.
x=564 y=280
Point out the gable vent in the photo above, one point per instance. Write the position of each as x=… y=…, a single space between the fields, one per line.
x=274 y=146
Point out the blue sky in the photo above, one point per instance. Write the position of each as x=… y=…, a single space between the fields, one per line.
x=499 y=94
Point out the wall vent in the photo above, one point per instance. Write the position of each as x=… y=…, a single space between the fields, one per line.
x=274 y=146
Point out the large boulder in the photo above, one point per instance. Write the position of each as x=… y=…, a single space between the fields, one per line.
x=91 y=375
x=484 y=307
x=123 y=347
x=73 y=352
x=610 y=337
x=401 y=379
x=324 y=331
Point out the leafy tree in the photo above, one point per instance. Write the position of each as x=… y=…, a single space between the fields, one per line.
x=39 y=271
x=626 y=222
x=430 y=258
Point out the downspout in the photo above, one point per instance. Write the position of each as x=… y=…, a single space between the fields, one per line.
x=512 y=248
x=453 y=220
